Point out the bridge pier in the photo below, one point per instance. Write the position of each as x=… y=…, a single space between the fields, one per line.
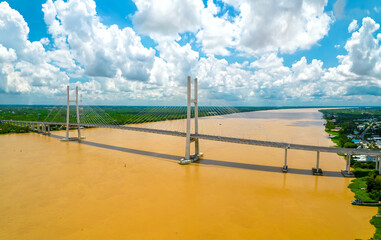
x=79 y=137
x=48 y=129
x=347 y=172
x=377 y=163
x=38 y=128
x=317 y=170
x=285 y=167
x=197 y=155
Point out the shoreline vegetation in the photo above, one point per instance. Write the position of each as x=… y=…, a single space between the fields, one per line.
x=348 y=128
x=112 y=115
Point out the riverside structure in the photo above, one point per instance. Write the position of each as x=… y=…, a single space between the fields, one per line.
x=44 y=128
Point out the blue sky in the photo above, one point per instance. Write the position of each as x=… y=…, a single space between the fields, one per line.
x=250 y=52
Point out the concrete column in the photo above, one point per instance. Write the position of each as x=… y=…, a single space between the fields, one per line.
x=77 y=108
x=377 y=162
x=48 y=129
x=347 y=172
x=285 y=167
x=67 y=112
x=197 y=147
x=187 y=147
x=317 y=170
x=348 y=168
x=317 y=160
x=38 y=127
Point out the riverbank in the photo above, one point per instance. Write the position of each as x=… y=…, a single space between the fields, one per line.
x=358 y=185
x=8 y=129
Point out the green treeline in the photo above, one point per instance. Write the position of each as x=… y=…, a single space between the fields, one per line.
x=6 y=128
x=114 y=114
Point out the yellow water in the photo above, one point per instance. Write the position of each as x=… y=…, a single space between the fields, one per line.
x=128 y=185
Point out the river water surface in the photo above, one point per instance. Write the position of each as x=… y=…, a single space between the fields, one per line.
x=121 y=184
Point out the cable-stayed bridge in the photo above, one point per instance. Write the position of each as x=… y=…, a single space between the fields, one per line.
x=191 y=133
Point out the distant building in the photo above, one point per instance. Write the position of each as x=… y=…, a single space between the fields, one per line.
x=361 y=126
x=364 y=158
x=336 y=129
x=371 y=158
x=357 y=141
x=360 y=158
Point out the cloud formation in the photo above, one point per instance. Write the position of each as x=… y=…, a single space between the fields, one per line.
x=191 y=38
x=24 y=65
x=298 y=24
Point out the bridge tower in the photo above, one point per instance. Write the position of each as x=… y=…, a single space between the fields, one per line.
x=197 y=155
x=79 y=137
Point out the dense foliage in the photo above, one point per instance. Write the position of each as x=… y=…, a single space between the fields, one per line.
x=346 y=118
x=373 y=183
x=345 y=122
x=6 y=128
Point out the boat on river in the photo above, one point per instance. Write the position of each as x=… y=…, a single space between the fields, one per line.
x=366 y=203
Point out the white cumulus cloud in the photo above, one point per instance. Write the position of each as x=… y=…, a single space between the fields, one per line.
x=168 y=18
x=24 y=65
x=353 y=26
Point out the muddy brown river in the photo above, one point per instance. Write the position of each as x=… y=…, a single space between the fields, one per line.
x=121 y=184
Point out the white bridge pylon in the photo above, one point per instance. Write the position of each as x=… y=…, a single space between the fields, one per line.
x=197 y=155
x=79 y=137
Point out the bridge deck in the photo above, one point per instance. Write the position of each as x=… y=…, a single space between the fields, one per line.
x=221 y=139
